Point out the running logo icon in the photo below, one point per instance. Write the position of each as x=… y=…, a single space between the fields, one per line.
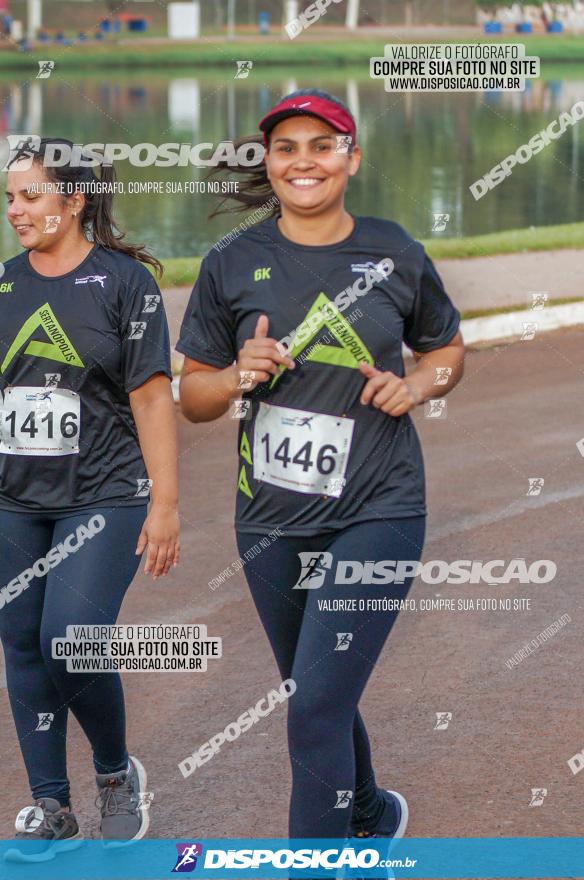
x=243 y=69
x=151 y=301
x=343 y=641
x=137 y=329
x=435 y=409
x=300 y=421
x=529 y=330
x=188 y=853
x=90 y=278
x=45 y=69
x=39 y=395
x=314 y=569
x=51 y=222
x=246 y=378
x=45 y=720
x=537 y=796
x=241 y=409
x=443 y=719
x=17 y=142
x=538 y=300
x=369 y=266
x=440 y=221
x=442 y=375
x=343 y=143
x=536 y=484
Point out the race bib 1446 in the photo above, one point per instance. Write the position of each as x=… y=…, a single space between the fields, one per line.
x=302 y=451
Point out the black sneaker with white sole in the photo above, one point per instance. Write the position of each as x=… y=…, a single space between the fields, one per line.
x=124 y=813
x=392 y=824
x=45 y=830
x=393 y=820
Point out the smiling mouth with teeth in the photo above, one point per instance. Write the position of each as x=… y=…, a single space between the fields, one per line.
x=305 y=181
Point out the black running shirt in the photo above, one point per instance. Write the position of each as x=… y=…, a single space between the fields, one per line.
x=72 y=347
x=312 y=458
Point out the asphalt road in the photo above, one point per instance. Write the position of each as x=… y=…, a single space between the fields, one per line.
x=517 y=415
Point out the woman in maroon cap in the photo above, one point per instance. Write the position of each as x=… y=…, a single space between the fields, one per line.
x=307 y=312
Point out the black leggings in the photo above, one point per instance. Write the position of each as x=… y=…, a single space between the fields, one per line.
x=87 y=587
x=330 y=655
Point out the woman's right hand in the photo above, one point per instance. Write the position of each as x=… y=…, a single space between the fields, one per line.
x=261 y=356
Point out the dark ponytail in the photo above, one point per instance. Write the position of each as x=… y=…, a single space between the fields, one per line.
x=255 y=189
x=97 y=219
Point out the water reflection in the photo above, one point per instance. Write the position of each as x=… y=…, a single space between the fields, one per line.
x=421 y=151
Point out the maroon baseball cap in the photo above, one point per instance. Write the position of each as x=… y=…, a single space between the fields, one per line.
x=310 y=105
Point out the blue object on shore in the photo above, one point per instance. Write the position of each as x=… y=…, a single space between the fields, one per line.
x=493 y=27
x=555 y=27
x=524 y=27
x=137 y=24
x=264 y=22
x=107 y=25
x=81 y=36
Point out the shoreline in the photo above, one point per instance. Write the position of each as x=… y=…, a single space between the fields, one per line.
x=532 y=249
x=332 y=48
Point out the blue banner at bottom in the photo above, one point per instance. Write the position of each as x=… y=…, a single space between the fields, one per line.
x=486 y=857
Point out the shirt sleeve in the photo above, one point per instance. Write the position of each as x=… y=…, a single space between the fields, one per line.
x=434 y=319
x=144 y=332
x=207 y=332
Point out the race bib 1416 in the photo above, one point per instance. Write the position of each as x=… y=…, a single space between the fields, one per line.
x=39 y=421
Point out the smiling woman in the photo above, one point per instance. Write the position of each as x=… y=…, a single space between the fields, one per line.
x=86 y=426
x=328 y=452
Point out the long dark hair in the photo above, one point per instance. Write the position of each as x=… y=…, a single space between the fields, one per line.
x=255 y=190
x=97 y=218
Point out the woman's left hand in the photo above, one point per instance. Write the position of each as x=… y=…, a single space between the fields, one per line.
x=160 y=534
x=387 y=392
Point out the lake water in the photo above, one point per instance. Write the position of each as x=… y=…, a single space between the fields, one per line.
x=421 y=151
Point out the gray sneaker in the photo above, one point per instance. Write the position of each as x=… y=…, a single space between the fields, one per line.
x=124 y=817
x=45 y=829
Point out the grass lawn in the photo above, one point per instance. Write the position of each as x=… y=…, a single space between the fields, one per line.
x=214 y=51
x=183 y=271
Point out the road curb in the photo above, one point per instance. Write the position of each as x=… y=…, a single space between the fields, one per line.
x=506 y=325
x=512 y=324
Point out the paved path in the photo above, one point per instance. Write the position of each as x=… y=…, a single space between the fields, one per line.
x=493 y=282
x=517 y=415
